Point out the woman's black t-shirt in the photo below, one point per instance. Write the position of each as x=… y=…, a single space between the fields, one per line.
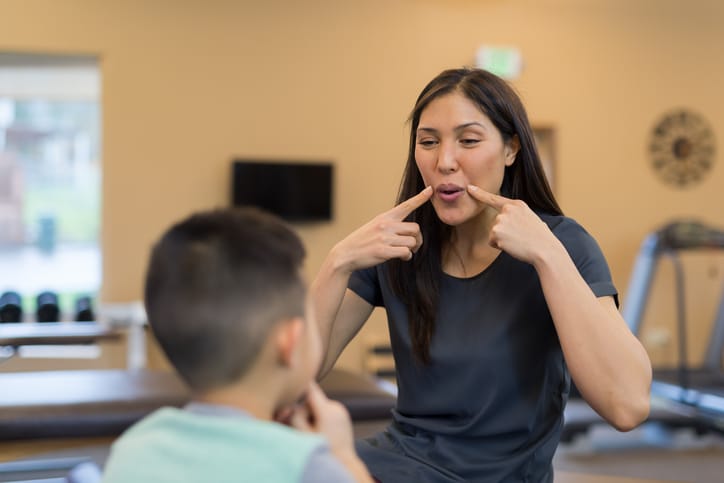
x=489 y=406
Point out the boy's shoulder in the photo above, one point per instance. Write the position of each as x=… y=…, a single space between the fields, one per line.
x=208 y=445
x=174 y=421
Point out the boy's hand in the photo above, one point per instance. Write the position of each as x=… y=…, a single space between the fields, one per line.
x=284 y=415
x=331 y=419
x=326 y=417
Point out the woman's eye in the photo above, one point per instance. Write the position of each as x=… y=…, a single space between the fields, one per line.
x=427 y=143
x=469 y=141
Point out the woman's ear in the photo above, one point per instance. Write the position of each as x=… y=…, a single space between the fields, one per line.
x=511 y=150
x=287 y=337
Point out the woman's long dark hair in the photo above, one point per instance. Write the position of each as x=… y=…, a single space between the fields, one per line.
x=417 y=282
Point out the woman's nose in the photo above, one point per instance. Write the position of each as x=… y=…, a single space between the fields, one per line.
x=446 y=159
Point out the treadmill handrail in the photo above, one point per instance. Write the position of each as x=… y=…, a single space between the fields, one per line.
x=715 y=350
x=675 y=236
x=640 y=282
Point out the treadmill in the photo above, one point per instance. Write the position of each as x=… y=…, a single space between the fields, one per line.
x=696 y=392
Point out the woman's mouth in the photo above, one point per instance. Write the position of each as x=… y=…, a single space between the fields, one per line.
x=449 y=192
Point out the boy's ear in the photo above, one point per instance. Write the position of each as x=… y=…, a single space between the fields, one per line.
x=288 y=336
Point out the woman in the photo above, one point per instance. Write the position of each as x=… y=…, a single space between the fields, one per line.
x=493 y=298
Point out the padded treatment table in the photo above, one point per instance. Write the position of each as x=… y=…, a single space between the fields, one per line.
x=61 y=404
x=364 y=396
x=56 y=404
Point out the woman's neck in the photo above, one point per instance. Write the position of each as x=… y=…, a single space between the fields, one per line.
x=468 y=252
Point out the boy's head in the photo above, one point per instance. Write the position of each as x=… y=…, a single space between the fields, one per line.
x=219 y=284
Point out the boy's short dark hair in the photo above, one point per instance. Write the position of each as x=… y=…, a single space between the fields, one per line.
x=216 y=284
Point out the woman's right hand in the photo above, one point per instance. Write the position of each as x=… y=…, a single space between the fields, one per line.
x=341 y=312
x=384 y=237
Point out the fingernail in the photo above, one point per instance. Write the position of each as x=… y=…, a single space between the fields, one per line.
x=472 y=187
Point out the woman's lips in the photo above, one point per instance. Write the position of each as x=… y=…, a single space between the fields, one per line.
x=449 y=192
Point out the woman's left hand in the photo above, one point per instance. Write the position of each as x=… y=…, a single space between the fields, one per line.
x=516 y=230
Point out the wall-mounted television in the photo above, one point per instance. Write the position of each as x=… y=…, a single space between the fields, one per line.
x=295 y=191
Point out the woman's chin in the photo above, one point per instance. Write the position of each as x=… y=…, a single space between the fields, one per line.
x=456 y=215
x=452 y=218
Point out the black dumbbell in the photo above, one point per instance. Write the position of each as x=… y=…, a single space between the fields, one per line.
x=47 y=307
x=84 y=310
x=11 y=307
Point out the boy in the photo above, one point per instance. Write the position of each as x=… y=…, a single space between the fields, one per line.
x=226 y=301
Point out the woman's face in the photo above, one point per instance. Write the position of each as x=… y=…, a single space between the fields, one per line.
x=457 y=145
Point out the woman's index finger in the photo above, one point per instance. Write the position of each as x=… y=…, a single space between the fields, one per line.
x=401 y=211
x=490 y=199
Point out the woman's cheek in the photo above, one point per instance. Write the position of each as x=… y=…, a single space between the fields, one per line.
x=421 y=170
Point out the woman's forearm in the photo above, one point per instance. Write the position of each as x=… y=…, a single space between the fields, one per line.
x=327 y=291
x=340 y=312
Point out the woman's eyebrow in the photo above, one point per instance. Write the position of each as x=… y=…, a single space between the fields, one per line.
x=468 y=124
x=457 y=128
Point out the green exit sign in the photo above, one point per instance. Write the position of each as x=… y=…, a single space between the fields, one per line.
x=505 y=62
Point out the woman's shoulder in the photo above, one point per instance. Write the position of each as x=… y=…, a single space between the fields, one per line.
x=559 y=222
x=566 y=228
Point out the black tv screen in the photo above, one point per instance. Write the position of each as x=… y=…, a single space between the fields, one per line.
x=294 y=191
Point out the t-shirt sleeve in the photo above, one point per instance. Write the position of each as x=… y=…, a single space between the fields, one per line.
x=322 y=467
x=587 y=256
x=366 y=284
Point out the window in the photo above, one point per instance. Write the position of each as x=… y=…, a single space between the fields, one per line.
x=50 y=178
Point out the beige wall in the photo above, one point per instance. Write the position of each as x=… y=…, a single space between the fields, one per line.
x=189 y=84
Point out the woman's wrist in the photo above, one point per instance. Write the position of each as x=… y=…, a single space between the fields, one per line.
x=339 y=261
x=549 y=255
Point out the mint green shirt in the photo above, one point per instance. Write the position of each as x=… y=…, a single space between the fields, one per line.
x=175 y=446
